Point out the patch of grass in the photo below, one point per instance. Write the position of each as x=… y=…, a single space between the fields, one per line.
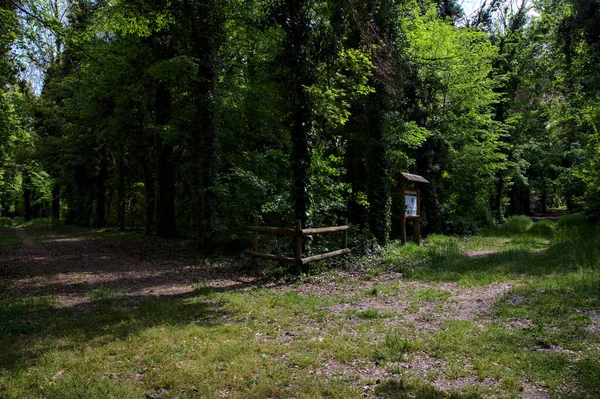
x=555 y=306
x=102 y=294
x=442 y=247
x=371 y=314
x=432 y=294
x=200 y=345
x=528 y=241
x=572 y=246
x=576 y=246
x=404 y=258
x=481 y=242
x=290 y=341
x=570 y=220
x=408 y=389
x=394 y=349
x=38 y=222
x=9 y=239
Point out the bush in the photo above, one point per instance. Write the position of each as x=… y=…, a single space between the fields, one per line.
x=517 y=225
x=576 y=243
x=405 y=257
x=543 y=228
x=575 y=219
x=6 y=222
x=439 y=246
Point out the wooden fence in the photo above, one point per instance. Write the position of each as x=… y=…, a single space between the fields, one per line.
x=298 y=232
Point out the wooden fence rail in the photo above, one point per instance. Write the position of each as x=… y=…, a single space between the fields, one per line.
x=298 y=232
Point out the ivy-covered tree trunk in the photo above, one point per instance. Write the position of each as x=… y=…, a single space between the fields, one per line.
x=380 y=37
x=293 y=17
x=356 y=171
x=378 y=188
x=295 y=23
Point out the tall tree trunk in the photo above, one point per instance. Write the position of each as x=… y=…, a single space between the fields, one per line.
x=356 y=171
x=165 y=168
x=544 y=199
x=82 y=196
x=428 y=165
x=378 y=189
x=121 y=194
x=27 y=195
x=206 y=24
x=55 y=201
x=296 y=23
x=100 y=215
x=150 y=187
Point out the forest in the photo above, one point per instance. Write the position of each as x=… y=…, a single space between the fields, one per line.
x=145 y=144
x=188 y=118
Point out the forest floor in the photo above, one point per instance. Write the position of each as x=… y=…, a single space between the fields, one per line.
x=106 y=314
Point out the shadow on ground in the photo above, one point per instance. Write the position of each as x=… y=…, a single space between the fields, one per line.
x=400 y=389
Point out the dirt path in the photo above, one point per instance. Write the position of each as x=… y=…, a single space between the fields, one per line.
x=27 y=242
x=72 y=267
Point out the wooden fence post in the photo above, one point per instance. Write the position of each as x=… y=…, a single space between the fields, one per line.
x=255 y=238
x=345 y=233
x=299 y=246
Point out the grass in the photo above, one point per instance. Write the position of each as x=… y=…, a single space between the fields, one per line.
x=291 y=341
x=394 y=349
x=9 y=240
x=102 y=294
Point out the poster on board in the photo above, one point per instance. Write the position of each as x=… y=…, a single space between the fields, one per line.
x=410 y=201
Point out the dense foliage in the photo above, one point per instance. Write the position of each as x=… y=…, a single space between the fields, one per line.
x=188 y=117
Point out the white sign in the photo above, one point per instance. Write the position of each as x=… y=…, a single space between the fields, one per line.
x=410 y=207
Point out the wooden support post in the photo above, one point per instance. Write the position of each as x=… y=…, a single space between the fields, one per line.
x=298 y=256
x=345 y=234
x=418 y=230
x=403 y=218
x=418 y=219
x=255 y=238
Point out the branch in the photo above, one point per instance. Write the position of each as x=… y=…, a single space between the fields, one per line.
x=56 y=32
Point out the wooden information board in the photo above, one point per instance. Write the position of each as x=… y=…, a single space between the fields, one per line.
x=411 y=202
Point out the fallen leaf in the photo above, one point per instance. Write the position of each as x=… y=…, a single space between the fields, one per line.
x=58 y=375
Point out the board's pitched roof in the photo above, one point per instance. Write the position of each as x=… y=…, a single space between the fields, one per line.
x=411 y=178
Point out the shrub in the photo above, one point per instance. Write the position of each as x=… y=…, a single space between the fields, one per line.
x=543 y=228
x=575 y=219
x=517 y=225
x=405 y=257
x=576 y=242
